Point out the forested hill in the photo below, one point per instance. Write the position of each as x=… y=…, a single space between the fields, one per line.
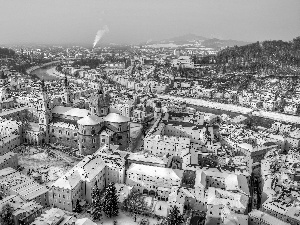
x=268 y=58
x=6 y=52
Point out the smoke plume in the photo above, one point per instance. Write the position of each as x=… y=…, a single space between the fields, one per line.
x=100 y=34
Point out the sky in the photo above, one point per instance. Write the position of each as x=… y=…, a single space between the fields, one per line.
x=135 y=21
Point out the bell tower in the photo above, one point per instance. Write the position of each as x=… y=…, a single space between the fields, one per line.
x=67 y=92
x=44 y=112
x=99 y=103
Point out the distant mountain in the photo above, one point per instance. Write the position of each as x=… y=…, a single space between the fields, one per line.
x=190 y=39
x=185 y=38
x=217 y=43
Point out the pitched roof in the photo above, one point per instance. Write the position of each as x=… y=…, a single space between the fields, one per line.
x=68 y=181
x=84 y=221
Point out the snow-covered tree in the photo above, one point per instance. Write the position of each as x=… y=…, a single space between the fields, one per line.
x=6 y=215
x=78 y=207
x=174 y=217
x=96 y=204
x=110 y=201
x=135 y=203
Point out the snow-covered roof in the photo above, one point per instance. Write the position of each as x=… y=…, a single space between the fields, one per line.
x=116 y=118
x=69 y=111
x=90 y=120
x=153 y=171
x=69 y=181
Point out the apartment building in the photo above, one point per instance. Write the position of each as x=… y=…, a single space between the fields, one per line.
x=153 y=180
x=24 y=212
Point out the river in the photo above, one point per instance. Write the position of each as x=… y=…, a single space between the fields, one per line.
x=43 y=74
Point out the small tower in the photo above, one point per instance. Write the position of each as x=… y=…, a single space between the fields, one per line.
x=3 y=78
x=44 y=112
x=67 y=92
x=4 y=89
x=157 y=110
x=99 y=103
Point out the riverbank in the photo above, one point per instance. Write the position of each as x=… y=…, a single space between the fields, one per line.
x=32 y=69
x=53 y=72
x=237 y=109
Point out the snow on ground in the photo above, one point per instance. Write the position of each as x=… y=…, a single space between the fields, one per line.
x=40 y=156
x=278 y=116
x=122 y=219
x=214 y=105
x=160 y=208
x=238 y=109
x=54 y=173
x=52 y=72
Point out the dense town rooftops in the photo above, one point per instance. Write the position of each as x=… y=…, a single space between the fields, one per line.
x=64 y=125
x=30 y=190
x=20 y=206
x=216 y=196
x=266 y=217
x=116 y=118
x=51 y=216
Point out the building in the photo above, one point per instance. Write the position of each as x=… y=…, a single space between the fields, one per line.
x=153 y=180
x=217 y=199
x=78 y=183
x=9 y=159
x=24 y=212
x=13 y=182
x=257 y=217
x=282 y=210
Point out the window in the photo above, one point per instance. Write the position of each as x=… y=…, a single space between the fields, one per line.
x=75 y=134
x=94 y=140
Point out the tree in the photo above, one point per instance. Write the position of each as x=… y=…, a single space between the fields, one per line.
x=174 y=217
x=96 y=204
x=110 y=201
x=78 y=207
x=6 y=215
x=135 y=203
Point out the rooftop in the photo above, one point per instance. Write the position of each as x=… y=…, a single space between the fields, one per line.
x=116 y=118
x=153 y=171
x=90 y=120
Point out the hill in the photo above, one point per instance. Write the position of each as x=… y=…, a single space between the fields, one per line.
x=267 y=58
x=193 y=39
x=6 y=52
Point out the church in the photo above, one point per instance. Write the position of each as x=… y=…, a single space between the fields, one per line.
x=84 y=129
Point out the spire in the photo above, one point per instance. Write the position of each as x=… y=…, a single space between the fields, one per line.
x=66 y=80
x=100 y=90
x=43 y=87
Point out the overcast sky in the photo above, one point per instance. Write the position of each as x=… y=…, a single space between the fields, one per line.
x=134 y=21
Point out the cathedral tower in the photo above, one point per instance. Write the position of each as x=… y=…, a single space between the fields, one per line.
x=67 y=92
x=99 y=103
x=44 y=112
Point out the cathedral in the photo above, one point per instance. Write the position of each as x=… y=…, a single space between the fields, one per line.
x=84 y=129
